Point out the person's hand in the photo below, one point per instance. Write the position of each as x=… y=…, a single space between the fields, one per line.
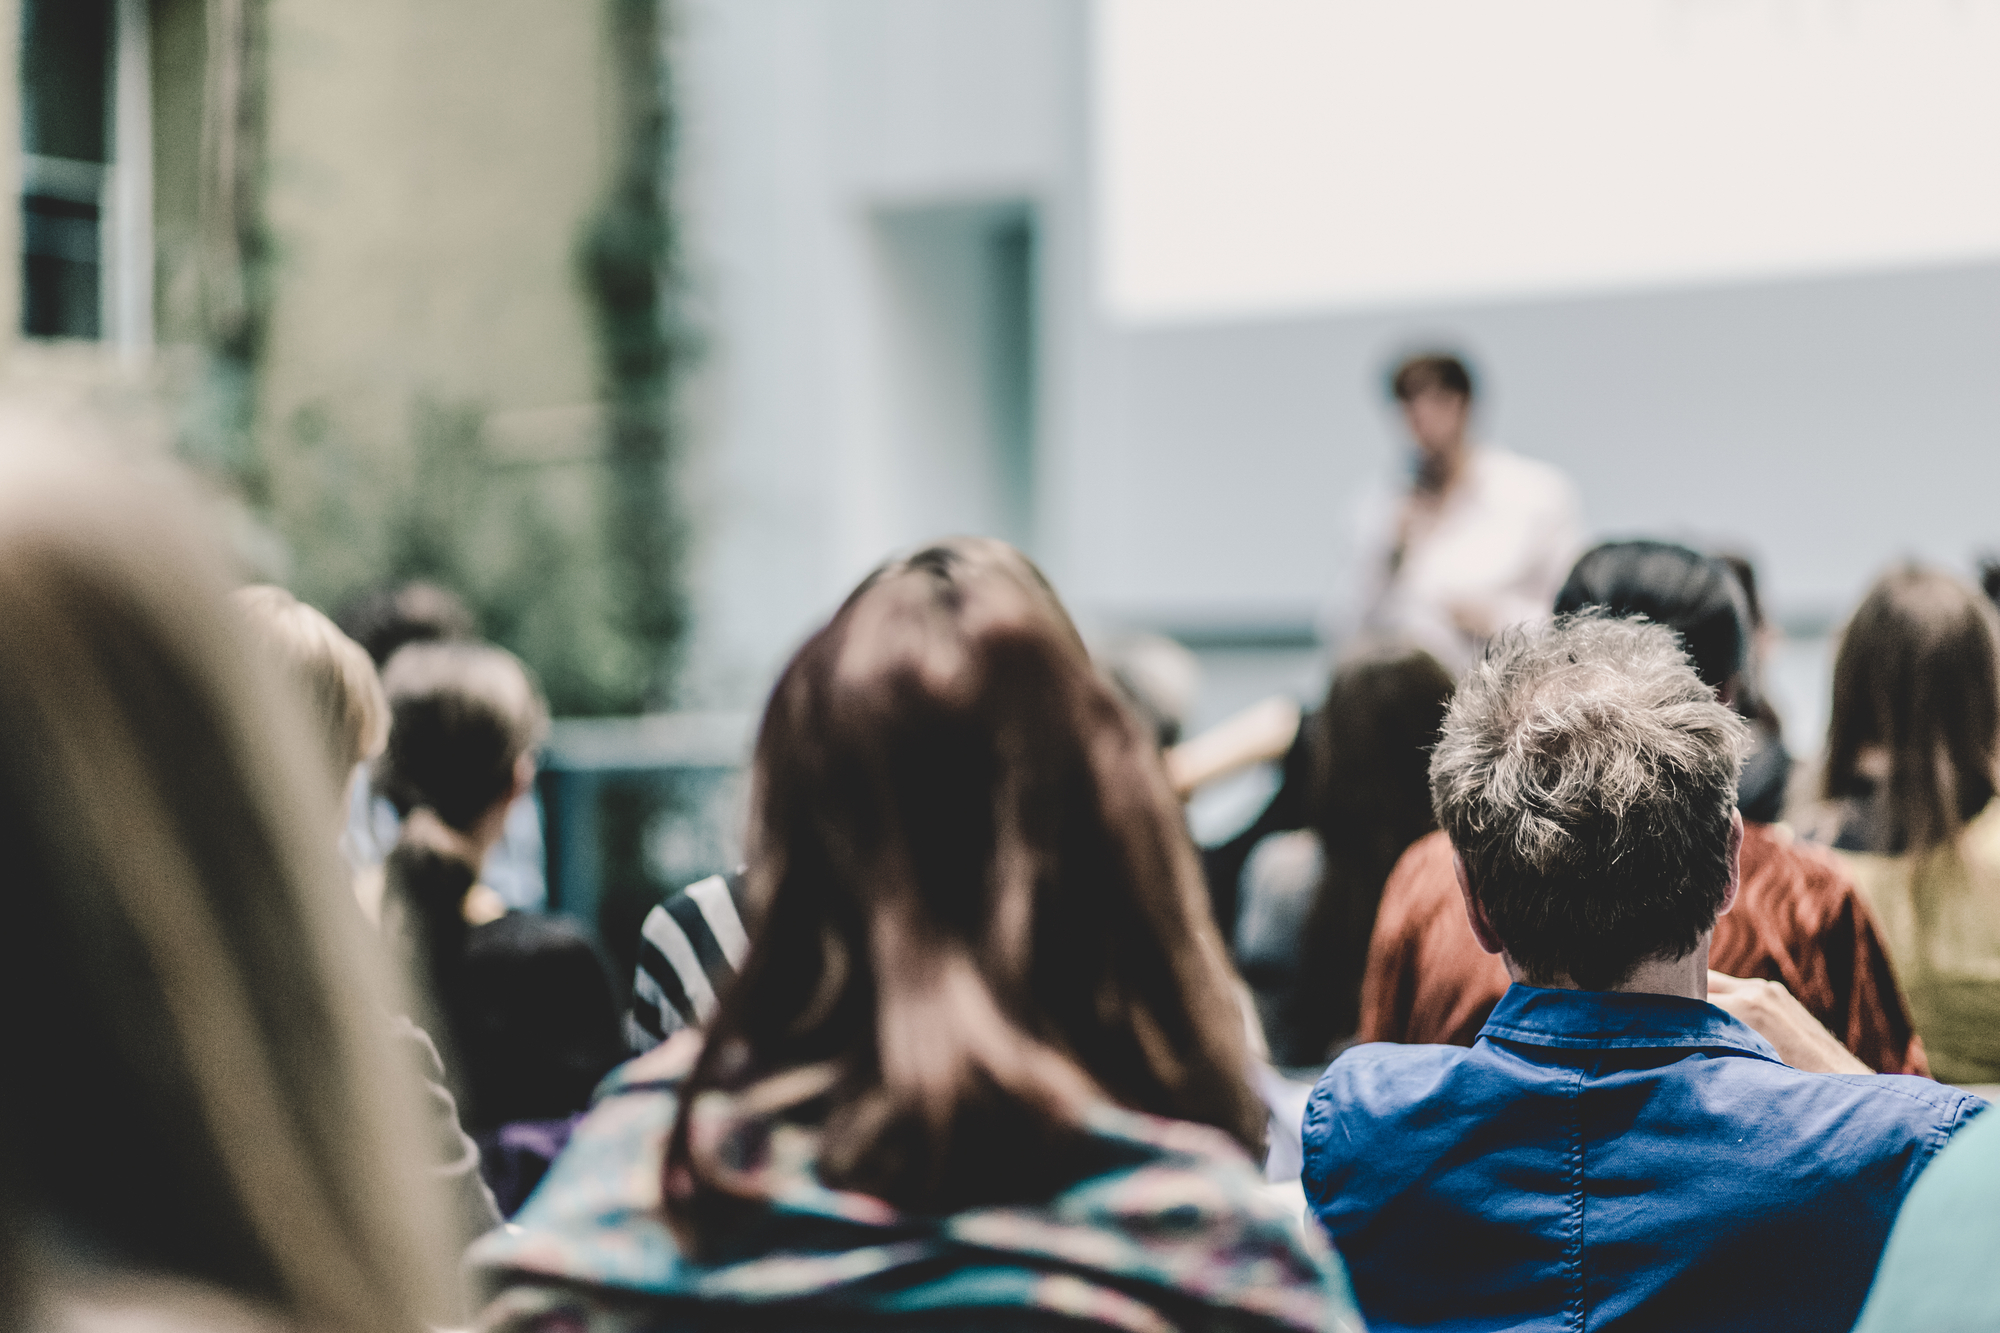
x=1475 y=620
x=1261 y=733
x=1775 y=1014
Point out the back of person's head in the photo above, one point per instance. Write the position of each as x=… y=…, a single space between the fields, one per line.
x=975 y=907
x=1368 y=798
x=542 y=1025
x=1157 y=678
x=465 y=719
x=198 y=1080
x=1917 y=675
x=1746 y=578
x=462 y=716
x=1696 y=596
x=332 y=672
x=1430 y=372
x=383 y=620
x=1587 y=777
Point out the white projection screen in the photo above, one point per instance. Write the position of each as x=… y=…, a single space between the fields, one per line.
x=1257 y=157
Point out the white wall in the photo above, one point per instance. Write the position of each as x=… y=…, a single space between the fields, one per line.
x=807 y=124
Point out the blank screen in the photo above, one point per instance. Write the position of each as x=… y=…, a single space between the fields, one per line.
x=1267 y=156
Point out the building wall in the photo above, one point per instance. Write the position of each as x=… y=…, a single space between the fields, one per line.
x=429 y=376
x=817 y=135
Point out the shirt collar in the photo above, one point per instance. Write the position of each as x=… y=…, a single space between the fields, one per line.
x=1613 y=1020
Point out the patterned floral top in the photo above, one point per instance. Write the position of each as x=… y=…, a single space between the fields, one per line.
x=1176 y=1232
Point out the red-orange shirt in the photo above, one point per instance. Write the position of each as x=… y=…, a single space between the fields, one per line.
x=1798 y=920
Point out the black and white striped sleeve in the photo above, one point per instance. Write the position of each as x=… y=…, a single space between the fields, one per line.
x=689 y=949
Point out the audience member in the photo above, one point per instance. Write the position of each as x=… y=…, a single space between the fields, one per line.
x=541 y=1029
x=330 y=671
x=690 y=948
x=1764 y=788
x=385 y=620
x=203 y=1124
x=335 y=680
x=1612 y=1151
x=393 y=616
x=1309 y=896
x=1157 y=678
x=1910 y=773
x=1937 y=1272
x=1798 y=920
x=1479 y=541
x=465 y=721
x=982 y=1066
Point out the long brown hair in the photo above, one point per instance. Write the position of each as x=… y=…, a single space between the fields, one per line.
x=978 y=908
x=199 y=1079
x=1918 y=674
x=1370 y=798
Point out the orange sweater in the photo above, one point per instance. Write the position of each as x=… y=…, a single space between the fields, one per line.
x=1798 y=919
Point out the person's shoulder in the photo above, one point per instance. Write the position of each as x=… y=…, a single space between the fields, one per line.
x=1875 y=1113
x=1421 y=881
x=1782 y=869
x=1979 y=844
x=1934 y=1270
x=1380 y=1080
x=598 y=1215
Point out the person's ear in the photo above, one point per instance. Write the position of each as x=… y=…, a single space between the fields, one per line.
x=1475 y=911
x=1735 y=862
x=524 y=777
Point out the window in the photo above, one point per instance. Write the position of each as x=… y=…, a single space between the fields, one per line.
x=85 y=207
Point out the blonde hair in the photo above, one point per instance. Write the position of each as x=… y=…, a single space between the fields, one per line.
x=335 y=672
x=205 y=1081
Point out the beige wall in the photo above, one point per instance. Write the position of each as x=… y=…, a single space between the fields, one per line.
x=430 y=168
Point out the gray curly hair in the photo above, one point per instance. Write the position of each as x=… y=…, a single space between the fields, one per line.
x=1586 y=776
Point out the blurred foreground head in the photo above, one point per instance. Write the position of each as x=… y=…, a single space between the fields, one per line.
x=977 y=909
x=331 y=671
x=1587 y=778
x=1915 y=727
x=198 y=1086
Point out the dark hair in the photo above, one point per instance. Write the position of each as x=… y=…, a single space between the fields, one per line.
x=1989 y=578
x=385 y=619
x=539 y=1023
x=461 y=715
x=1586 y=776
x=1696 y=596
x=975 y=906
x=1746 y=576
x=1369 y=798
x=1918 y=673
x=1439 y=371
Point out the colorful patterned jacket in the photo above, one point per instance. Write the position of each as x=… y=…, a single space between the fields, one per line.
x=1177 y=1232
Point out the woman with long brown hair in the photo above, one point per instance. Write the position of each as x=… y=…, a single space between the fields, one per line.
x=203 y=1122
x=1910 y=778
x=982 y=1066
x=1367 y=799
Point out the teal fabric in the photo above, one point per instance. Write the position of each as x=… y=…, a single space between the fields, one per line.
x=1174 y=1228
x=1941 y=1271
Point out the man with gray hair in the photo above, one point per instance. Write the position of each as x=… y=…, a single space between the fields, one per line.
x=1612 y=1150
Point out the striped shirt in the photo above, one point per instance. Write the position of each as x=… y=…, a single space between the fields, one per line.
x=689 y=949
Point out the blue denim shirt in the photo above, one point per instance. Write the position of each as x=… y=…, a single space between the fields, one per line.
x=1606 y=1160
